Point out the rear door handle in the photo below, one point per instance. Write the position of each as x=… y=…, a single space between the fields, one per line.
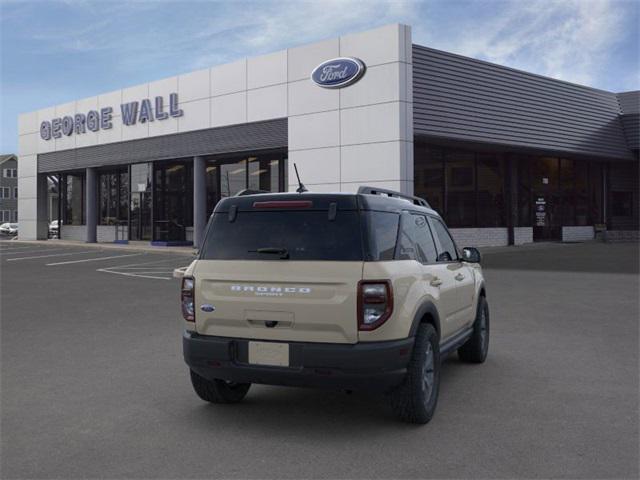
x=459 y=277
x=436 y=282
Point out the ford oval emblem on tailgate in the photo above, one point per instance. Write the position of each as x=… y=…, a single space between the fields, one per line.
x=338 y=73
x=207 y=308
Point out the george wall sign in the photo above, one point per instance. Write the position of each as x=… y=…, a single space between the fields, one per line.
x=94 y=120
x=339 y=72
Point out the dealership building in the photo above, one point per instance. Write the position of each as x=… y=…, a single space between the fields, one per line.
x=506 y=156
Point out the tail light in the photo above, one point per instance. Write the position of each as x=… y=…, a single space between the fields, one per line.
x=375 y=303
x=186 y=299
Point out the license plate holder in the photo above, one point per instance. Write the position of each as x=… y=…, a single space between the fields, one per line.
x=272 y=354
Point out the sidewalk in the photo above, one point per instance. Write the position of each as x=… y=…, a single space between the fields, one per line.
x=131 y=246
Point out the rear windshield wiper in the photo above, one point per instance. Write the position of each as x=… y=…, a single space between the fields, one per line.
x=283 y=252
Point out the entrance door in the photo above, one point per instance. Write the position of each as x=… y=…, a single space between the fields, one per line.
x=140 y=219
x=546 y=200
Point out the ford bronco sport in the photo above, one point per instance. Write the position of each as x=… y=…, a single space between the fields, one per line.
x=363 y=291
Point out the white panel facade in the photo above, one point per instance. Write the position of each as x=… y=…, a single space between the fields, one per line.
x=196 y=114
x=374 y=111
x=194 y=85
x=229 y=78
x=229 y=109
x=330 y=131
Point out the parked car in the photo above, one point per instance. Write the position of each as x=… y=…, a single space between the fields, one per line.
x=363 y=291
x=9 y=229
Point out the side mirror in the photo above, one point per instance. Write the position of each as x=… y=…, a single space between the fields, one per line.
x=471 y=255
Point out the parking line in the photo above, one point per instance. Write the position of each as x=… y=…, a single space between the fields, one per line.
x=143 y=270
x=52 y=255
x=92 y=259
x=126 y=274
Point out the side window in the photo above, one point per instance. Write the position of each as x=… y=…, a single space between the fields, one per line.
x=415 y=241
x=447 y=251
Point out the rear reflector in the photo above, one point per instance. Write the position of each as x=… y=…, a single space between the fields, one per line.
x=284 y=204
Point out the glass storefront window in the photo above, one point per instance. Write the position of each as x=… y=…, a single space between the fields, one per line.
x=233 y=178
x=228 y=176
x=140 y=201
x=173 y=201
x=73 y=199
x=460 y=188
x=113 y=198
x=581 y=172
x=596 y=192
x=523 y=165
x=429 y=176
x=491 y=199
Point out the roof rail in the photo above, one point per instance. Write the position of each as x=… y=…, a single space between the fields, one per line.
x=392 y=193
x=248 y=191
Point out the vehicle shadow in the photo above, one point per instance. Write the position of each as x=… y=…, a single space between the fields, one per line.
x=293 y=411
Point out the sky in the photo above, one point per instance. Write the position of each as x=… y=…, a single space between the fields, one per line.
x=55 y=51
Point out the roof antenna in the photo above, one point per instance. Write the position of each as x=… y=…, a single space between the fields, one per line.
x=301 y=188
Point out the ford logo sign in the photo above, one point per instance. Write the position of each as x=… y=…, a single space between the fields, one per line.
x=207 y=308
x=339 y=72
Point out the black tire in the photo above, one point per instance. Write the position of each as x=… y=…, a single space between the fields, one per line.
x=415 y=400
x=476 y=348
x=218 y=391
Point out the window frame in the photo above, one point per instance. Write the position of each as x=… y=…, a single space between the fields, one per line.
x=439 y=249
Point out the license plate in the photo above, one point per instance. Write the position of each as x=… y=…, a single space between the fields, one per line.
x=269 y=353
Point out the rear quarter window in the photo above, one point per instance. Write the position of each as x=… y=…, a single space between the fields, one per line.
x=382 y=228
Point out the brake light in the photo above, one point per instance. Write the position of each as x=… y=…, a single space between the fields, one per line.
x=284 y=204
x=186 y=299
x=375 y=303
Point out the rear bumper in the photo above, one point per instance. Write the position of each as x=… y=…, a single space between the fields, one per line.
x=371 y=366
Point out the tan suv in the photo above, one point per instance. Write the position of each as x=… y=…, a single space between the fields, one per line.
x=363 y=291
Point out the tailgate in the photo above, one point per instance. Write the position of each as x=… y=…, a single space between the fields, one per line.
x=306 y=301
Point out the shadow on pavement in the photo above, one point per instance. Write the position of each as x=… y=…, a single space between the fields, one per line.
x=577 y=257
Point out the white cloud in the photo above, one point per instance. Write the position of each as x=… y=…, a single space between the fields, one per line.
x=569 y=40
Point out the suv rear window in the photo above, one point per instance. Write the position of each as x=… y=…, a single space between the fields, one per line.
x=304 y=235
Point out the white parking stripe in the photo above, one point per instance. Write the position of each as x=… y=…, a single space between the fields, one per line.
x=52 y=255
x=126 y=274
x=145 y=269
x=92 y=259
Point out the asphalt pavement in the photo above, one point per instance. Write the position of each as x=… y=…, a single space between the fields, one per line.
x=93 y=384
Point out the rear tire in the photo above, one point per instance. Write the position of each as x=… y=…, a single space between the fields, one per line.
x=218 y=391
x=415 y=400
x=476 y=348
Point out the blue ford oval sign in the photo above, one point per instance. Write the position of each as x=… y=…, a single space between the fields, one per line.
x=338 y=73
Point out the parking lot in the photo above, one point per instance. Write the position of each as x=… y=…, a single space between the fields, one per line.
x=94 y=385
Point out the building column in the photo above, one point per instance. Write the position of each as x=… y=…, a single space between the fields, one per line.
x=42 y=216
x=199 y=200
x=91 y=207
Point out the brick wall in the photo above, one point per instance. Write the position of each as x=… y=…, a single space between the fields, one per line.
x=577 y=234
x=522 y=235
x=480 y=237
x=614 y=236
x=74 y=232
